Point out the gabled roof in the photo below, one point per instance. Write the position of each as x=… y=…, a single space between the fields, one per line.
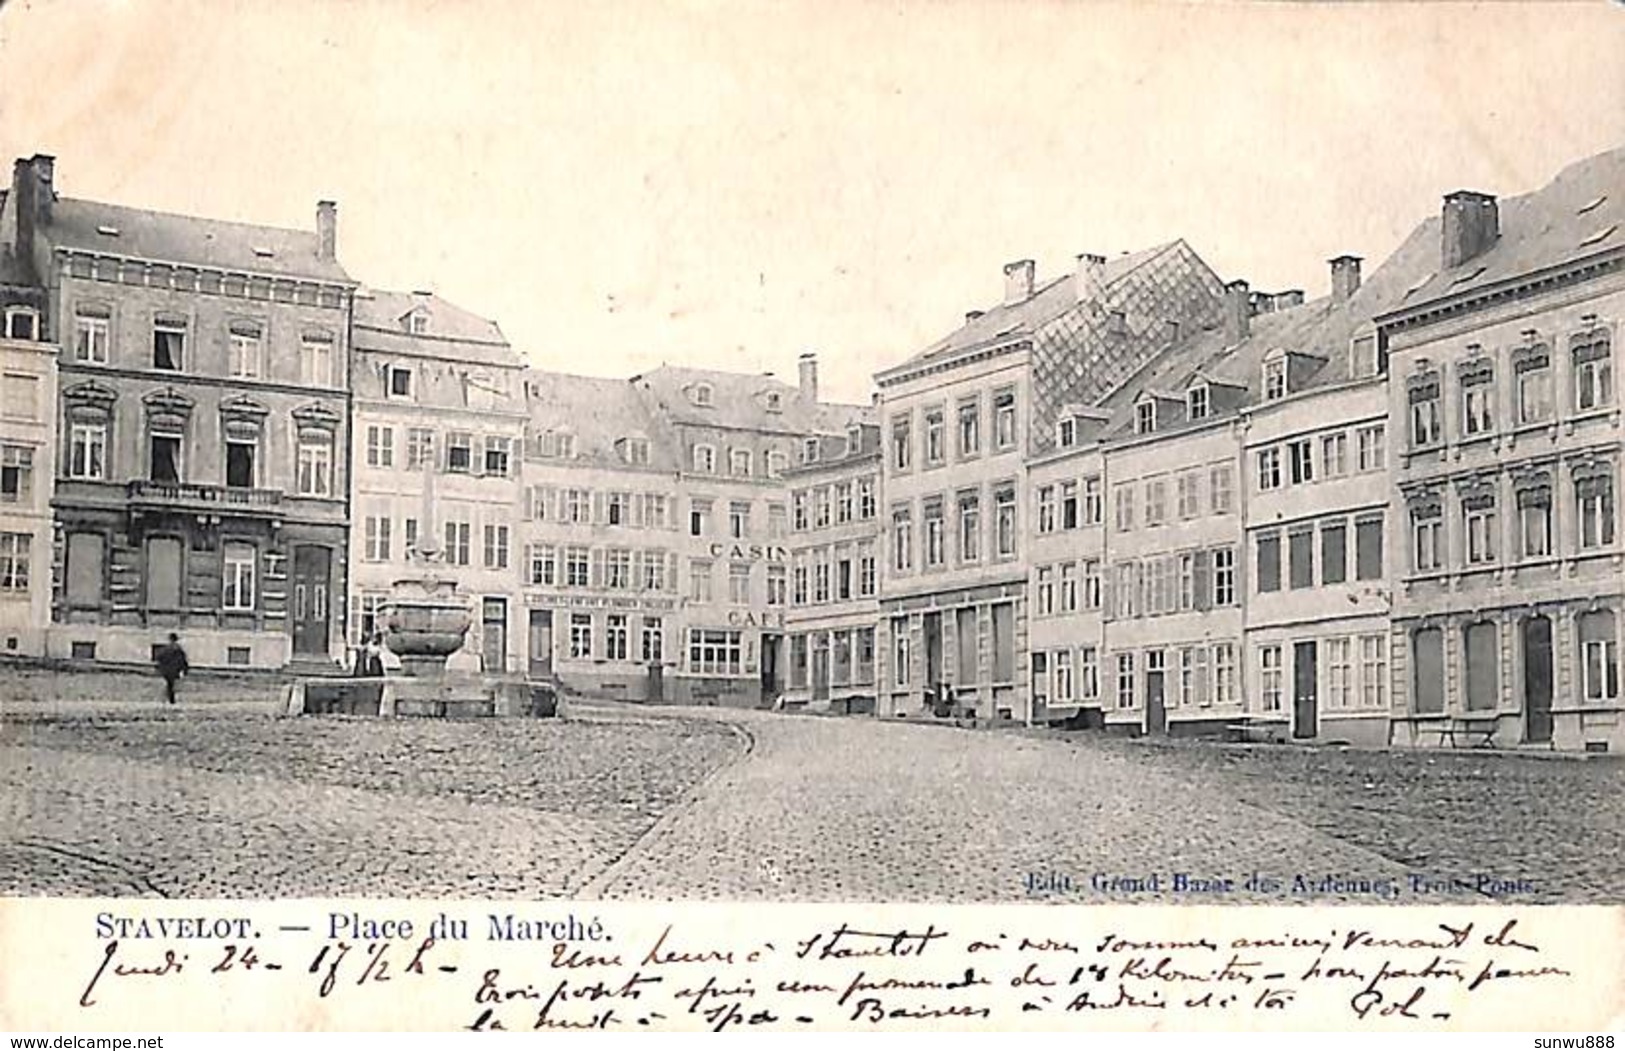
x=1015 y=319
x=740 y=400
x=188 y=239
x=599 y=412
x=452 y=331
x=1579 y=213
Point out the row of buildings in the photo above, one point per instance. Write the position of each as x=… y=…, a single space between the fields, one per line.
x=1136 y=496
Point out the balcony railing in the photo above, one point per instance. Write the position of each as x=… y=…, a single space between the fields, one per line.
x=198 y=496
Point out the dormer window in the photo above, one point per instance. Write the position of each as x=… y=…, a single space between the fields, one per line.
x=705 y=459
x=775 y=401
x=1145 y=417
x=1363 y=356
x=417 y=322
x=854 y=440
x=1275 y=376
x=399 y=381
x=700 y=394
x=564 y=445
x=22 y=323
x=776 y=463
x=1197 y=402
x=635 y=451
x=1066 y=432
x=809 y=450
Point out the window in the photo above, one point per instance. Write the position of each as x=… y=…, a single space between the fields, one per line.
x=820 y=507
x=15 y=556
x=699 y=517
x=1269 y=469
x=21 y=397
x=240 y=461
x=739 y=463
x=1093 y=499
x=409 y=535
x=1184 y=691
x=92 y=327
x=653 y=640
x=380 y=446
x=655 y=511
x=1190 y=492
x=1040 y=673
x=843 y=503
x=1063 y=677
x=87 y=451
x=1004 y=522
x=1369 y=448
x=577 y=506
x=738 y=519
x=970 y=527
x=22 y=323
x=496 y=548
x=1125 y=680
x=1599 y=656
x=1269 y=678
x=1478 y=514
x=400 y=382
x=1044 y=591
x=970 y=428
x=618 y=509
x=576 y=567
x=703 y=459
x=564 y=446
x=1368 y=549
x=1224 y=576
x=901 y=443
x=1123 y=504
x=799 y=590
x=635 y=451
x=459 y=543
x=1268 y=568
x=739 y=583
x=700 y=394
x=1374 y=671
x=497 y=452
x=799 y=519
x=1477 y=398
x=1069 y=587
x=1535 y=521
x=777 y=521
x=1300 y=456
x=713 y=652
x=1046 y=509
x=654 y=570
x=316 y=361
x=1066 y=432
x=237 y=580
x=1427 y=539
x=1424 y=401
x=243 y=349
x=1145 y=417
x=1594 y=493
x=1334 y=556
x=417 y=322
x=1004 y=420
x=1224 y=673
x=699 y=580
x=615 y=637
x=1593 y=370
x=1275 y=378
x=1479 y=666
x=1221 y=485
x=867 y=578
x=902 y=540
x=1069 y=505
x=1532 y=377
x=1427 y=677
x=581 y=636
x=1196 y=402
x=1334 y=455
x=419 y=448
x=866 y=498
x=809 y=450
x=1187 y=581
x=1088 y=673
x=936 y=438
x=1337 y=654
x=16 y=474
x=543 y=565
x=900 y=651
x=168 y=343
x=936 y=547
x=459 y=452
x=776 y=463
x=375 y=545
x=777 y=586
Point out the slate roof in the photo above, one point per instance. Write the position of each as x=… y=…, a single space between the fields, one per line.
x=162 y=236
x=452 y=331
x=598 y=411
x=1579 y=213
x=740 y=400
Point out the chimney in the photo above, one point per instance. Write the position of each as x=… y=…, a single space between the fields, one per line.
x=1471 y=225
x=31 y=188
x=1090 y=277
x=1018 y=282
x=327 y=230
x=1345 y=278
x=1236 y=312
x=1260 y=303
x=808 y=367
x=1287 y=300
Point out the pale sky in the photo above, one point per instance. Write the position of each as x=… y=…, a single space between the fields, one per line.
x=727 y=185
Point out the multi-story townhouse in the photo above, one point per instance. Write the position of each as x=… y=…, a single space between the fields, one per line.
x=203 y=422
x=958 y=421
x=1066 y=547
x=735 y=436
x=833 y=588
x=27 y=446
x=437 y=391
x=1505 y=437
x=602 y=520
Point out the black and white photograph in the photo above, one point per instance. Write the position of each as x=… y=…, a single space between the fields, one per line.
x=896 y=452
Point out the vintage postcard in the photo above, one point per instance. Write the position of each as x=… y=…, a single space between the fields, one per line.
x=668 y=514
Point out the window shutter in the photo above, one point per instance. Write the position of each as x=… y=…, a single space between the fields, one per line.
x=558 y=505
x=598 y=514
x=1204 y=580
x=597 y=579
x=671 y=572
x=1108 y=592
x=637 y=510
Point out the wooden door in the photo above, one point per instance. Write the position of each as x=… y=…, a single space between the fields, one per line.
x=1537 y=680
x=1156 y=711
x=541 y=643
x=312 y=567
x=1305 y=702
x=494 y=634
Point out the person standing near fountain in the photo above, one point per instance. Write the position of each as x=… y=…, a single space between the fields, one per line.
x=171 y=662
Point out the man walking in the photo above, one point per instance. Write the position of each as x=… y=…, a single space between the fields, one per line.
x=172 y=664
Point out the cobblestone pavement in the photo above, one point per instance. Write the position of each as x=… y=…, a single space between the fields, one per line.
x=930 y=812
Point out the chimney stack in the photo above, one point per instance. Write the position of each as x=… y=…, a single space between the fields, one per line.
x=1090 y=277
x=1237 y=312
x=327 y=230
x=1472 y=223
x=1345 y=278
x=808 y=367
x=1018 y=282
x=1287 y=300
